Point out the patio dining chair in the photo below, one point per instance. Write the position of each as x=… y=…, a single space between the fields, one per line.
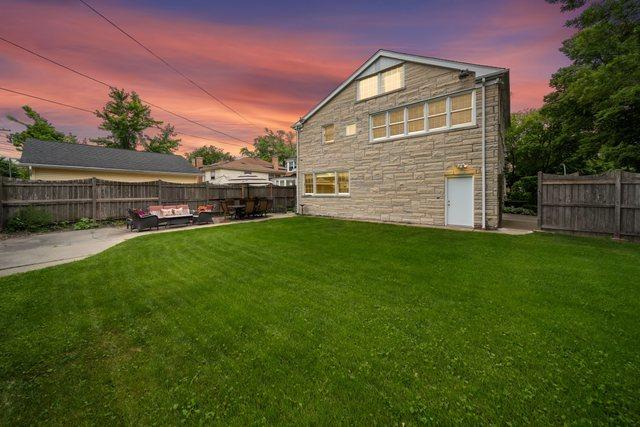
x=250 y=208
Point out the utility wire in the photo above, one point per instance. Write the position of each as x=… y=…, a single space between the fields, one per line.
x=79 y=73
x=93 y=112
x=165 y=62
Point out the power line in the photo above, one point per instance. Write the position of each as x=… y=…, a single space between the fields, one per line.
x=165 y=62
x=111 y=86
x=46 y=100
x=92 y=112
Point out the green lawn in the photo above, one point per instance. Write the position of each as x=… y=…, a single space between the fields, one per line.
x=320 y=321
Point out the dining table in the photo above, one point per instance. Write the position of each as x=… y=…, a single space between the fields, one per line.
x=237 y=209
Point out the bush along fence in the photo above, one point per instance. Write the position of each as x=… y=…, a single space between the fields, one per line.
x=602 y=205
x=103 y=200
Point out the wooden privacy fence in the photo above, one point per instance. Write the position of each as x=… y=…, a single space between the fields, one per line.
x=100 y=200
x=607 y=204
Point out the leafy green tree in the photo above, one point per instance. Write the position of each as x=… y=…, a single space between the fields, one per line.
x=40 y=129
x=595 y=105
x=209 y=154
x=9 y=168
x=126 y=118
x=278 y=144
x=164 y=142
x=532 y=145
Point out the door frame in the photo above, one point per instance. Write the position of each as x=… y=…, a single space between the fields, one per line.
x=473 y=199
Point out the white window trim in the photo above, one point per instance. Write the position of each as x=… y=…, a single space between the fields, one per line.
x=427 y=130
x=336 y=192
x=379 y=83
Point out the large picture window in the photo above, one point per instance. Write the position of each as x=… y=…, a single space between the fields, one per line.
x=424 y=117
x=381 y=83
x=327 y=183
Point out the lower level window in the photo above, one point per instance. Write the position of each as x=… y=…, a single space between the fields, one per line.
x=327 y=183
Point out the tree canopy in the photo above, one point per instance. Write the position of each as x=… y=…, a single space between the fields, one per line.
x=40 y=129
x=125 y=117
x=595 y=106
x=278 y=144
x=164 y=142
x=209 y=154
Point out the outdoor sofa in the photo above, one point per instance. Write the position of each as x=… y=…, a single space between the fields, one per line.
x=172 y=214
x=139 y=220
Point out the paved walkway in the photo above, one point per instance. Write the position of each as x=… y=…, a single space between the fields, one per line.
x=520 y=222
x=43 y=250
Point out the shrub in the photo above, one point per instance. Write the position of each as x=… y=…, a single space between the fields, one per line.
x=85 y=224
x=30 y=219
x=518 y=211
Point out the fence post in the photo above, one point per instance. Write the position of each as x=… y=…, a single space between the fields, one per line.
x=618 y=198
x=159 y=192
x=94 y=200
x=539 y=200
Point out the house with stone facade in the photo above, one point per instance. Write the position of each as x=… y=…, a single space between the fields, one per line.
x=407 y=138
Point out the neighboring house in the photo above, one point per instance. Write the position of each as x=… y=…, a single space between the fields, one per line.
x=290 y=176
x=55 y=161
x=246 y=170
x=405 y=138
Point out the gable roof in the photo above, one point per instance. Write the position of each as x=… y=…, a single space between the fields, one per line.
x=80 y=156
x=246 y=164
x=390 y=58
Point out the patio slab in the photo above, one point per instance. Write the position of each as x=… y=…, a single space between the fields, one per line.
x=37 y=251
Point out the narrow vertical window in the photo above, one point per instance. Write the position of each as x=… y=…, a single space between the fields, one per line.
x=461 y=109
x=379 y=126
x=308 y=183
x=396 y=122
x=328 y=133
x=437 y=114
x=343 y=182
x=350 y=130
x=415 y=118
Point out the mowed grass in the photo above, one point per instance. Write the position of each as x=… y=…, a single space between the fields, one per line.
x=318 y=321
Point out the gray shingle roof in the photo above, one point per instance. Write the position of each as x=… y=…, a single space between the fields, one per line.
x=35 y=152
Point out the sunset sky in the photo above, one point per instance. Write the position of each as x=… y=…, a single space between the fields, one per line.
x=269 y=60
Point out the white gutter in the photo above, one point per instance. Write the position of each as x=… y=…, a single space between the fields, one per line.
x=484 y=159
x=88 y=168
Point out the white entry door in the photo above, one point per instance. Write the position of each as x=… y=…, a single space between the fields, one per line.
x=460 y=201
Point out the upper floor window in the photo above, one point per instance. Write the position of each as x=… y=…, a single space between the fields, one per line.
x=438 y=114
x=328 y=133
x=380 y=83
x=291 y=165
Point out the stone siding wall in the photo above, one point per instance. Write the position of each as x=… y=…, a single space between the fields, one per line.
x=402 y=180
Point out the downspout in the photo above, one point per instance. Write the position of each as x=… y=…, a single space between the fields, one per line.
x=484 y=159
x=297 y=127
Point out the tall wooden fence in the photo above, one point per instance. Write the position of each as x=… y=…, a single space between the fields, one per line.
x=607 y=204
x=100 y=200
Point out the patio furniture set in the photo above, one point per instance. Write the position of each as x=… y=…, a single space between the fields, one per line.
x=169 y=215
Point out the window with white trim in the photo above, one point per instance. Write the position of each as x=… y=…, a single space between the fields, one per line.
x=327 y=183
x=437 y=113
x=379 y=126
x=328 y=133
x=421 y=118
x=461 y=109
x=308 y=183
x=381 y=83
